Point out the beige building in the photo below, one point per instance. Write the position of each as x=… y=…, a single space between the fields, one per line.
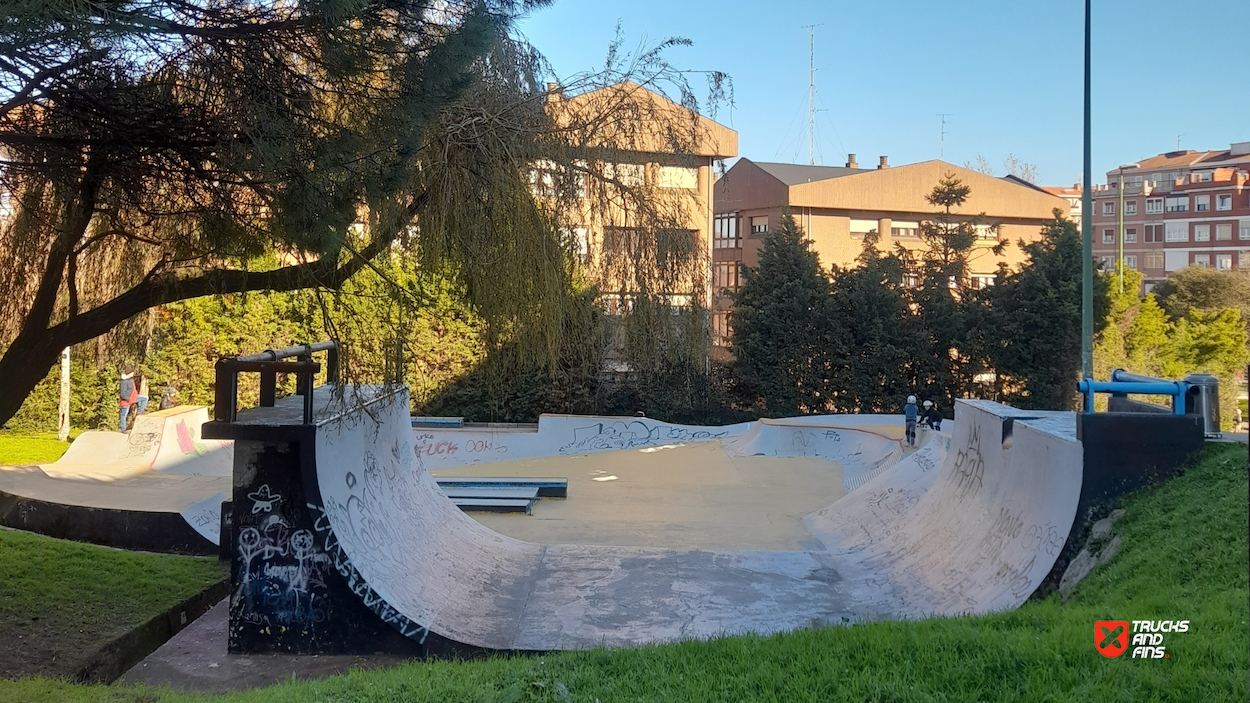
x=837 y=206
x=663 y=150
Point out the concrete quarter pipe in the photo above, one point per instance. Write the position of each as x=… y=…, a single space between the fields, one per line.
x=936 y=532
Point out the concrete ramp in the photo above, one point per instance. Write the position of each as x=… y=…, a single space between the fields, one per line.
x=983 y=532
x=167 y=440
x=937 y=532
x=157 y=488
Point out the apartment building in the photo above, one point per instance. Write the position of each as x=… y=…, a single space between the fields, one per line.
x=1178 y=209
x=837 y=206
x=1074 y=194
x=636 y=141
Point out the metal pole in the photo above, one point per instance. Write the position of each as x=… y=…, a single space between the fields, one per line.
x=1087 y=240
x=62 y=413
x=1119 y=220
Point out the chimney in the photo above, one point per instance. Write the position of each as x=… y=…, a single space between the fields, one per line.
x=555 y=93
x=850 y=161
x=885 y=163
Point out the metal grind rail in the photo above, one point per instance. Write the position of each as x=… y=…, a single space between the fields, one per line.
x=269 y=364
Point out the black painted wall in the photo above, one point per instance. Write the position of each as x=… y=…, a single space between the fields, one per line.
x=287 y=594
x=1123 y=452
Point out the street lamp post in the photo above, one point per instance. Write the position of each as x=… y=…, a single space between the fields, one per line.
x=1120 y=225
x=1087 y=239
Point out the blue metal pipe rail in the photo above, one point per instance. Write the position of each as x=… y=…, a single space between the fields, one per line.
x=1123 y=383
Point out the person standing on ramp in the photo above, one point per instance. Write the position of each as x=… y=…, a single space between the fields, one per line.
x=910 y=412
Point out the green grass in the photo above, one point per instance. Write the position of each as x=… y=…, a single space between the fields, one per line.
x=1184 y=557
x=60 y=600
x=30 y=448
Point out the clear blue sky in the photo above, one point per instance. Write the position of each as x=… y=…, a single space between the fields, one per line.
x=1009 y=72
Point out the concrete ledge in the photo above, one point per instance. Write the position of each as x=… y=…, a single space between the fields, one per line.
x=112 y=660
x=136 y=530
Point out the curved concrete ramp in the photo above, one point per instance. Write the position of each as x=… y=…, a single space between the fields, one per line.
x=168 y=441
x=977 y=539
x=983 y=532
x=157 y=488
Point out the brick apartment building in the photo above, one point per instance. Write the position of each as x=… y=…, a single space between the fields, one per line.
x=836 y=206
x=1181 y=208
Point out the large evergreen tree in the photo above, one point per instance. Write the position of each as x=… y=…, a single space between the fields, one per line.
x=943 y=361
x=1033 y=325
x=783 y=338
x=870 y=309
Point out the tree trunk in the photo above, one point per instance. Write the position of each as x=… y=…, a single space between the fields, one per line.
x=25 y=363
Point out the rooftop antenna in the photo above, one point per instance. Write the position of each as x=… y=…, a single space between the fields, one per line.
x=811 y=93
x=1178 y=141
x=942 y=138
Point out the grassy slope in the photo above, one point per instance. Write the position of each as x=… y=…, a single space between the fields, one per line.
x=30 y=449
x=1184 y=557
x=61 y=599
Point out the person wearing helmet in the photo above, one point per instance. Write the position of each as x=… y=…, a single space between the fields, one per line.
x=931 y=417
x=910 y=413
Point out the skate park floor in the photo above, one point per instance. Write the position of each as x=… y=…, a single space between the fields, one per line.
x=195 y=659
x=680 y=496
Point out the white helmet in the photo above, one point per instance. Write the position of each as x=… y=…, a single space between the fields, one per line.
x=911 y=399
x=928 y=403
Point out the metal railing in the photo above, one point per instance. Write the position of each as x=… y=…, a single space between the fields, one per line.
x=269 y=364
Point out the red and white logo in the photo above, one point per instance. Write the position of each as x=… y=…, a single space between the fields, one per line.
x=1111 y=637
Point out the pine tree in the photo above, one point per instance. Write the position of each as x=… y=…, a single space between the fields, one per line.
x=1034 y=321
x=868 y=304
x=782 y=337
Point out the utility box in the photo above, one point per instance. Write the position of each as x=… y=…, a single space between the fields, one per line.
x=1204 y=400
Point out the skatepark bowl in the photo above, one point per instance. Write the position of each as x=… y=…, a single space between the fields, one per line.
x=344 y=542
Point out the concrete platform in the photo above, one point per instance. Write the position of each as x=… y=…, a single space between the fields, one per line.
x=195 y=659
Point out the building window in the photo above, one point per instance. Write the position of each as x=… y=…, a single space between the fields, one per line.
x=1130 y=235
x=1154 y=206
x=720 y=328
x=1108 y=208
x=1224 y=232
x=862 y=227
x=1154 y=260
x=979 y=281
x=1179 y=203
x=1223 y=202
x=1130 y=207
x=628 y=175
x=621 y=240
x=1154 y=233
x=1202 y=261
x=1108 y=236
x=725 y=275
x=678 y=177
x=1204 y=176
x=725 y=232
x=905 y=229
x=1243 y=259
x=1202 y=203
x=1244 y=233
x=1130 y=261
x=1176 y=232
x=1202 y=233
x=1224 y=262
x=617 y=304
x=987 y=232
x=1106 y=263
x=759 y=225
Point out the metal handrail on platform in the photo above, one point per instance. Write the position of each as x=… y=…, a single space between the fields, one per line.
x=1123 y=383
x=269 y=364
